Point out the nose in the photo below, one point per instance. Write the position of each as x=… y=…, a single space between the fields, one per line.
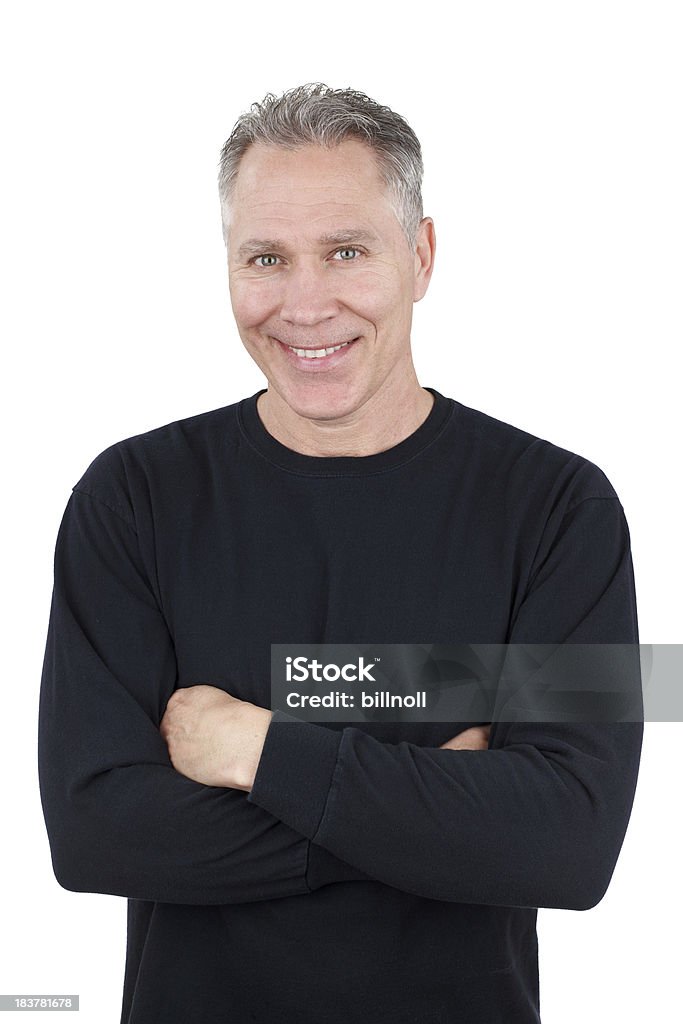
x=308 y=296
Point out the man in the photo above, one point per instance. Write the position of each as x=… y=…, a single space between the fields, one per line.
x=278 y=869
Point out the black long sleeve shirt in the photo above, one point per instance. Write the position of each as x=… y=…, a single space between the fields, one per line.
x=368 y=875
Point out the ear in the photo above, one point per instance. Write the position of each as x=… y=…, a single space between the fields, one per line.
x=425 y=251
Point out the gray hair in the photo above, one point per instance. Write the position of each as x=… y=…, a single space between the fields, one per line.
x=315 y=114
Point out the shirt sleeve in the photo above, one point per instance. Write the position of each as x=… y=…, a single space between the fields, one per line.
x=120 y=819
x=536 y=820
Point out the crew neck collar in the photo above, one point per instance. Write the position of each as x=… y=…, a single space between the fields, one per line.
x=278 y=454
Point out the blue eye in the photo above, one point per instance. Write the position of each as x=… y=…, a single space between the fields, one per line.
x=349 y=249
x=270 y=256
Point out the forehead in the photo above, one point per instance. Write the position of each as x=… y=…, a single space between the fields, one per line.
x=308 y=184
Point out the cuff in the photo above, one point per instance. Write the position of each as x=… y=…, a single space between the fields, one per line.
x=295 y=771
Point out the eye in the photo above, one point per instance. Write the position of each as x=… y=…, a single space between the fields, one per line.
x=347 y=250
x=270 y=259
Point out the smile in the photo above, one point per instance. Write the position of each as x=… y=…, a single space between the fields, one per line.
x=316 y=353
x=310 y=354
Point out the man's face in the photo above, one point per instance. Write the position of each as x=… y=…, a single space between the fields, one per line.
x=316 y=259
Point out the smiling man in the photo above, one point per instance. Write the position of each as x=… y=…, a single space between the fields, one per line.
x=278 y=869
x=322 y=282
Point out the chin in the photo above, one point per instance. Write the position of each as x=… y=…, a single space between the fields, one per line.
x=319 y=399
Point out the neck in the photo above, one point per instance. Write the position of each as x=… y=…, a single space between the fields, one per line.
x=383 y=421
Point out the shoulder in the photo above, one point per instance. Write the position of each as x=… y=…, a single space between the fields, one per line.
x=173 y=452
x=525 y=462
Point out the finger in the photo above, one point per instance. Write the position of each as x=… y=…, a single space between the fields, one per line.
x=475 y=738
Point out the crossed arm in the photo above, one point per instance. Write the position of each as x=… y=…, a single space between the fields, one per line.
x=121 y=755
x=217 y=739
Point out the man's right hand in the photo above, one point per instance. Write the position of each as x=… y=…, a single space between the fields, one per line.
x=475 y=738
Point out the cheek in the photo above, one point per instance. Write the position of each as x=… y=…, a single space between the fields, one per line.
x=372 y=296
x=381 y=301
x=253 y=303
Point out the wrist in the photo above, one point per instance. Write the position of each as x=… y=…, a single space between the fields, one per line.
x=255 y=729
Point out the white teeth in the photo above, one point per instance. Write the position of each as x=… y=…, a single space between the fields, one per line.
x=316 y=353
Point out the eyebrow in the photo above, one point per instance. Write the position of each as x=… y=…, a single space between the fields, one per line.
x=265 y=245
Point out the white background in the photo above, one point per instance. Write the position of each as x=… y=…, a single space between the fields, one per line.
x=551 y=135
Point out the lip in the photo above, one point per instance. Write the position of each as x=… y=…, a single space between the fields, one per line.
x=313 y=365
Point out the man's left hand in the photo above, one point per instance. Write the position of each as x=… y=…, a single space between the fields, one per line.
x=213 y=737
